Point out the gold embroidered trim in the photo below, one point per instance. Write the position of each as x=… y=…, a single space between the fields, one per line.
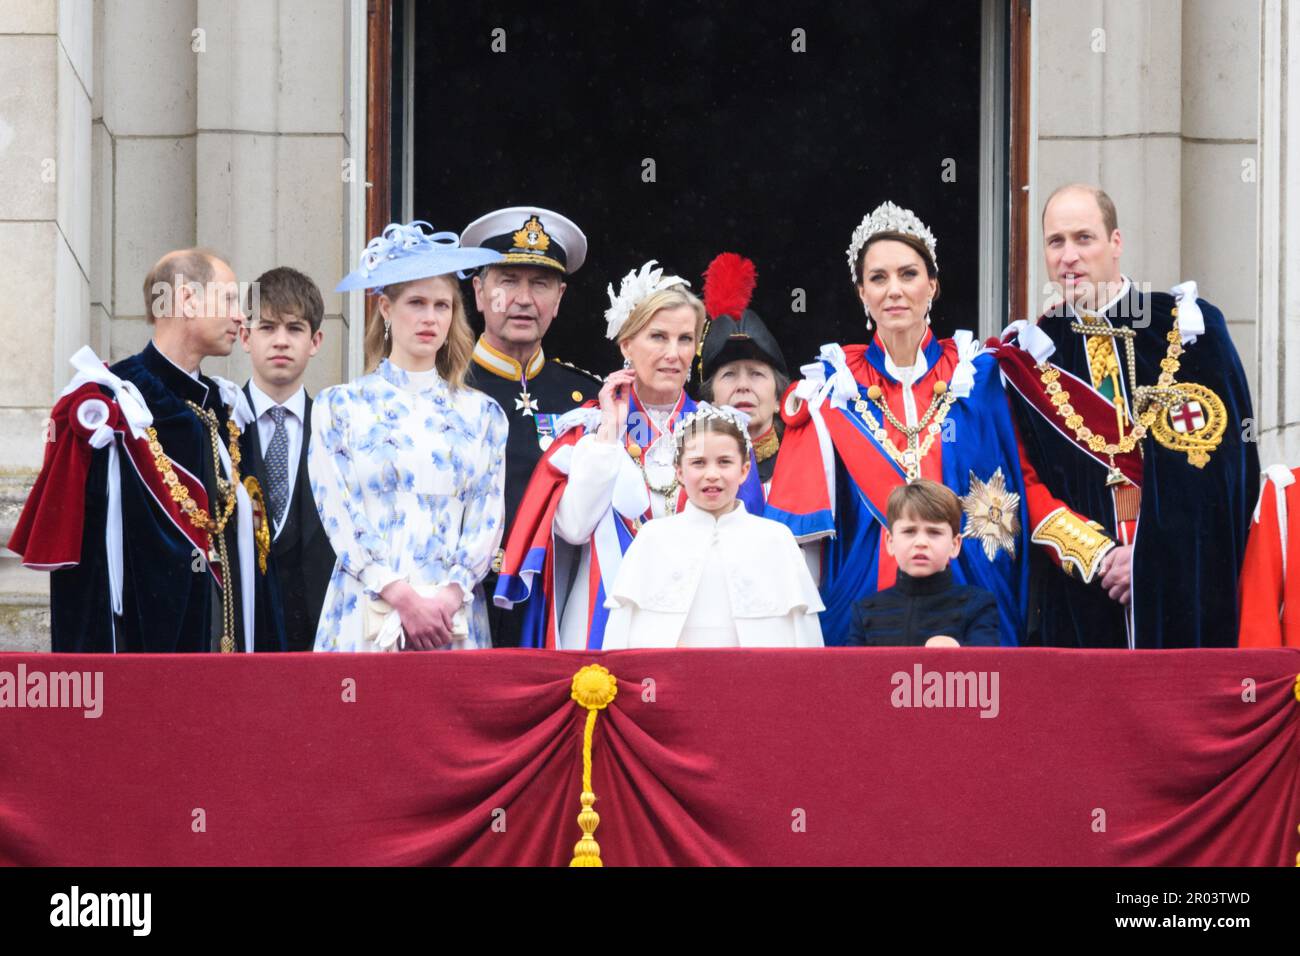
x=1080 y=545
x=767 y=445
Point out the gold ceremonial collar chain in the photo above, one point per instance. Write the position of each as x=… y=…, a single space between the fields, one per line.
x=1148 y=401
x=198 y=516
x=931 y=423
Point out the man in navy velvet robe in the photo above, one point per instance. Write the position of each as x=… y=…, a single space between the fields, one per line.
x=132 y=568
x=1146 y=431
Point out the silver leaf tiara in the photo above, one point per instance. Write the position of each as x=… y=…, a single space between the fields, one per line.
x=889 y=218
x=685 y=425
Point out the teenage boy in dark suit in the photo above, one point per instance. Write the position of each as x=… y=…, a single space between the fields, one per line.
x=281 y=340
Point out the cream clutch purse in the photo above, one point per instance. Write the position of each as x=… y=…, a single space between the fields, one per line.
x=383 y=625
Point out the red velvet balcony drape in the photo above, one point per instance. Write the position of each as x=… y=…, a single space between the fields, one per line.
x=705 y=757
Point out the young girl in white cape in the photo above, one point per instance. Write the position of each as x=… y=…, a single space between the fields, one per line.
x=713 y=575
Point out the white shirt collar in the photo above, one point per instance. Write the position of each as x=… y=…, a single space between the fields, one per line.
x=194 y=374
x=1123 y=291
x=701 y=517
x=902 y=373
x=296 y=404
x=907 y=374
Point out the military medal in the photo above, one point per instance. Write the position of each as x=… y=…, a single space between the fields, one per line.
x=525 y=404
x=545 y=429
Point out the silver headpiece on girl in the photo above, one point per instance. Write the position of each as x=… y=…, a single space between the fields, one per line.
x=889 y=218
x=685 y=426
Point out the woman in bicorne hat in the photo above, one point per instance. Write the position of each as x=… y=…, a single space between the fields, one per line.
x=407 y=462
x=740 y=363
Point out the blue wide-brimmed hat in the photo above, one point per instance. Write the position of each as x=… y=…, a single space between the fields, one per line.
x=404 y=253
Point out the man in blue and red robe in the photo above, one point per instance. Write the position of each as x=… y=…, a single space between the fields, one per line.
x=1133 y=408
x=132 y=569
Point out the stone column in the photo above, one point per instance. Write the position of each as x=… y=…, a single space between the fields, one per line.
x=269 y=168
x=1158 y=101
x=1108 y=109
x=1277 y=401
x=131 y=127
x=147 y=132
x=46 y=85
x=1220 y=175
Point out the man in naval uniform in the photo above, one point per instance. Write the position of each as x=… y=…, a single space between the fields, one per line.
x=1133 y=409
x=519 y=299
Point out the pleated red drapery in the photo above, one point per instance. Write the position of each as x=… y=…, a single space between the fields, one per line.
x=705 y=757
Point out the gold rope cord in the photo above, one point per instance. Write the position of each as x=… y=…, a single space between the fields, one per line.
x=594 y=688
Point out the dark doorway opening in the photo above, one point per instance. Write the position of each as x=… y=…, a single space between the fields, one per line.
x=756 y=148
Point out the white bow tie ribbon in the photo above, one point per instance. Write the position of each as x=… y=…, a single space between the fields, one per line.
x=963 y=376
x=232 y=396
x=90 y=368
x=1191 y=320
x=1031 y=338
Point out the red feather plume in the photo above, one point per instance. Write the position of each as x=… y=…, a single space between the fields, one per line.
x=728 y=285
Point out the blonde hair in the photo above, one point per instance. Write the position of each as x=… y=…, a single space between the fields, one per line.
x=457 y=351
x=670 y=298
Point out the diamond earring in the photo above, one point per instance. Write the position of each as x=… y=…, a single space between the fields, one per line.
x=388 y=328
x=627 y=363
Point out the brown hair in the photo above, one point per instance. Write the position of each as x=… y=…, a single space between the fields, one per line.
x=924 y=500
x=287 y=292
x=670 y=298
x=1109 y=215
x=189 y=265
x=912 y=242
x=453 y=358
x=711 y=426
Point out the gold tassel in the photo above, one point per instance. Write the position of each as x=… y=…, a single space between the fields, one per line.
x=594 y=688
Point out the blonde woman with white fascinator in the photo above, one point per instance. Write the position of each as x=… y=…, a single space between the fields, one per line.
x=610 y=469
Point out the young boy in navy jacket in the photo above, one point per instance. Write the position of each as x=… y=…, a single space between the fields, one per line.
x=925 y=606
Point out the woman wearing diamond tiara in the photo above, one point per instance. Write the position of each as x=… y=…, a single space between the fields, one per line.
x=904 y=406
x=691 y=579
x=609 y=470
x=407 y=462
